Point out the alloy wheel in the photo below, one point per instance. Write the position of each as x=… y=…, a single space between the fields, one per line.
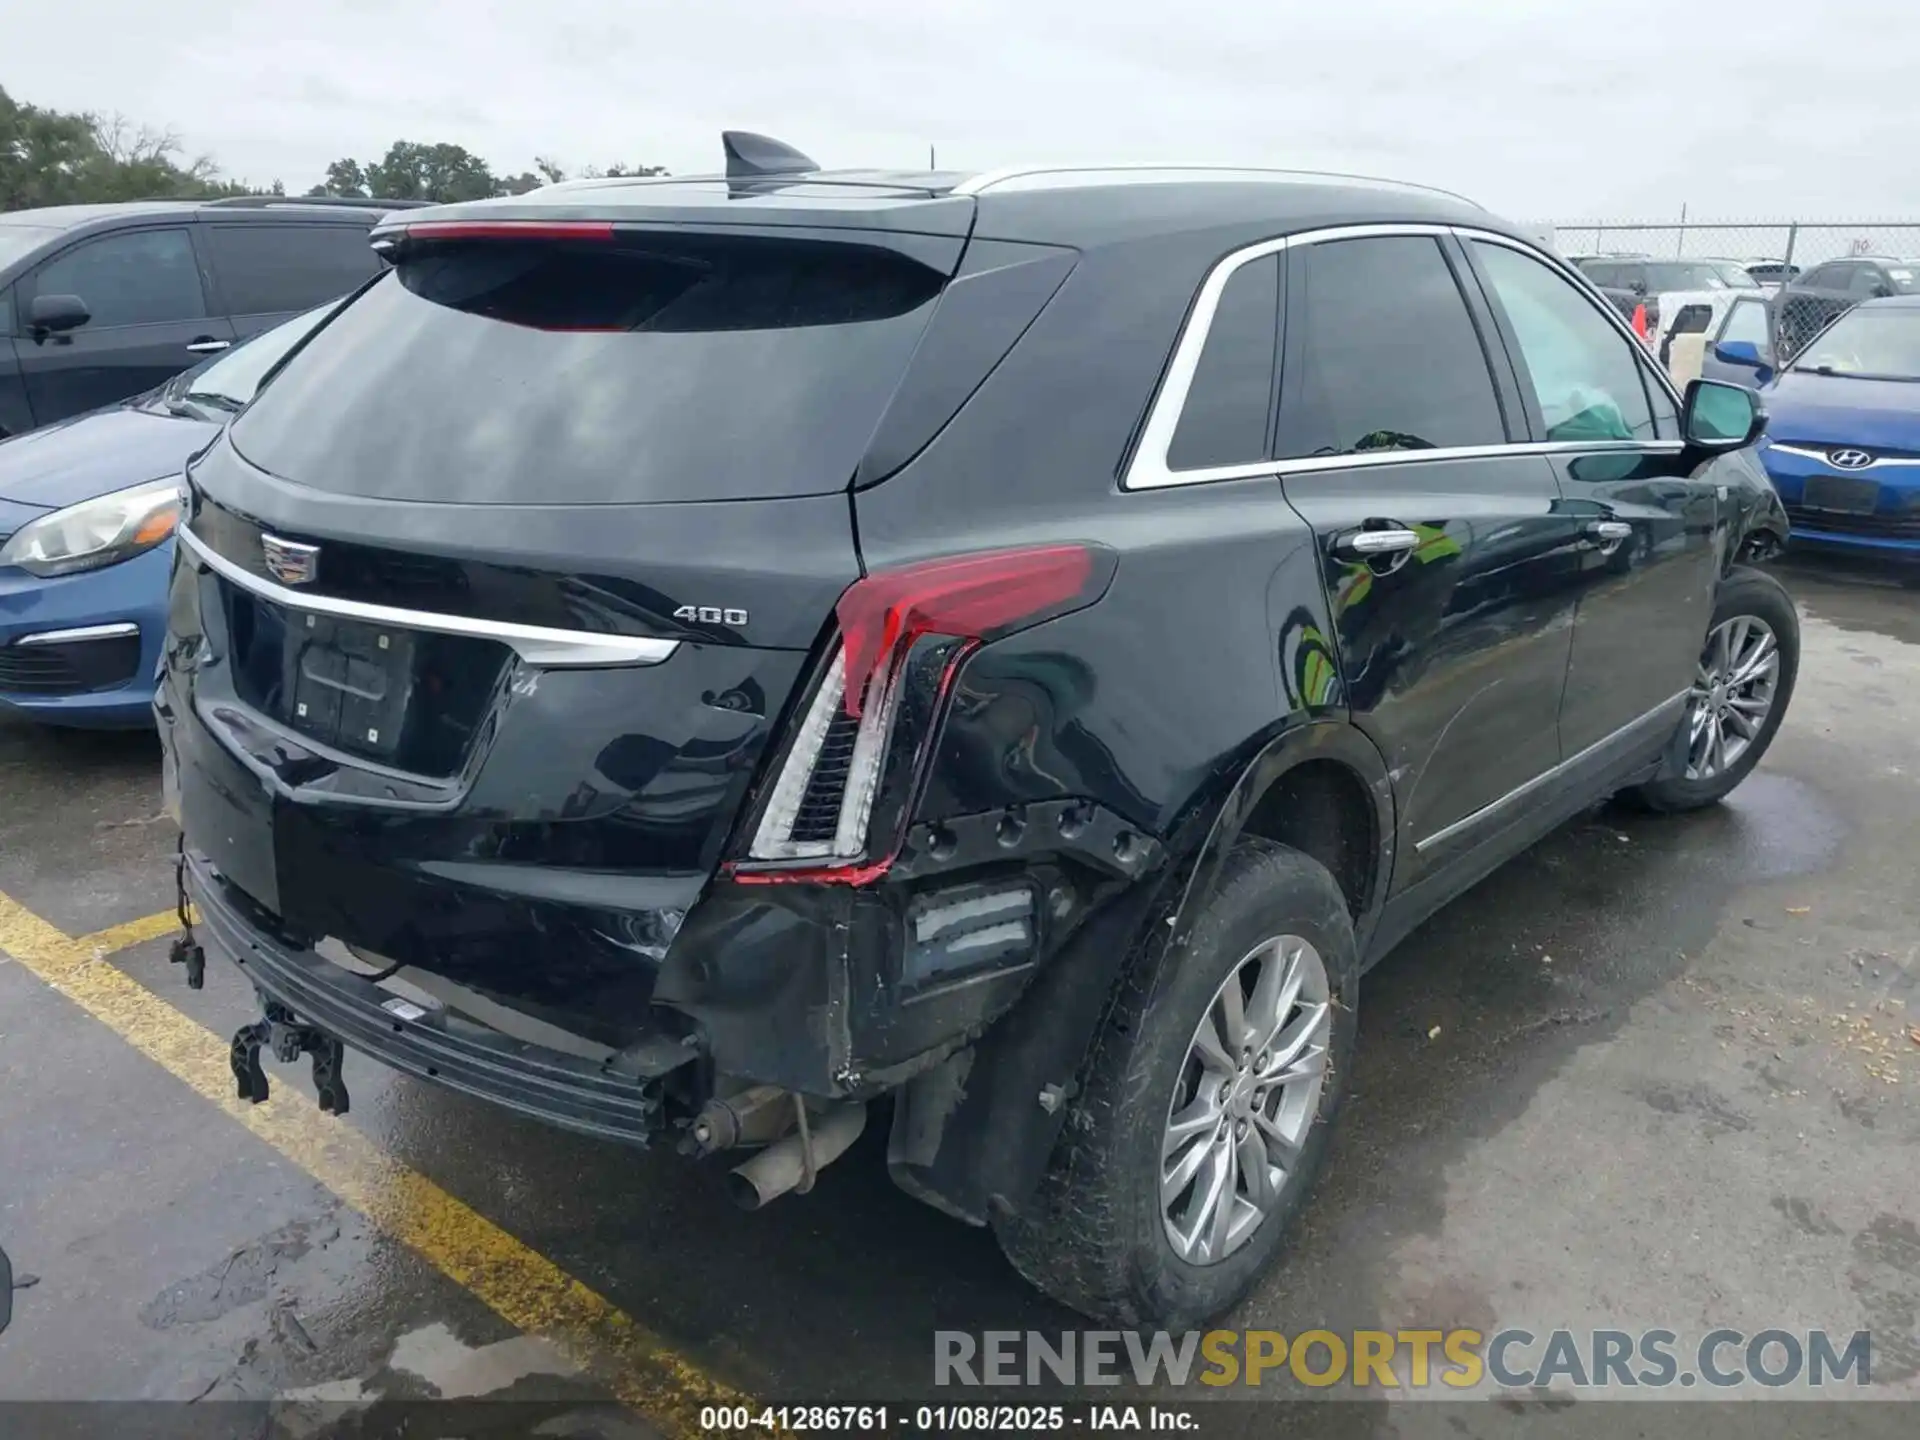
x=1247 y=1095
x=1733 y=691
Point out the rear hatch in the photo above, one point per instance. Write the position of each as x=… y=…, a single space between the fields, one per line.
x=491 y=605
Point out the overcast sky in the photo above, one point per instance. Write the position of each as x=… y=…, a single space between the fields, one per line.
x=1541 y=110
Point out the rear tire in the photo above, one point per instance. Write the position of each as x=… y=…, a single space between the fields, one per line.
x=1755 y=634
x=1098 y=1235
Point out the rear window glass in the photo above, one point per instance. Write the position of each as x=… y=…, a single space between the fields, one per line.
x=696 y=368
x=267 y=269
x=1225 y=418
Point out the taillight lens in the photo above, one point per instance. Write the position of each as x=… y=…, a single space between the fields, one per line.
x=969 y=597
x=903 y=635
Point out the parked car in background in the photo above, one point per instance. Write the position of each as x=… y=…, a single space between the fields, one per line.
x=1746 y=320
x=100 y=302
x=1579 y=260
x=1771 y=274
x=1843 y=428
x=697 y=657
x=1678 y=299
x=87 y=511
x=1812 y=300
x=1632 y=282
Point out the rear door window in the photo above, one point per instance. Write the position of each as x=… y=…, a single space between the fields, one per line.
x=1583 y=373
x=273 y=268
x=1387 y=353
x=684 y=367
x=1224 y=421
x=135 y=277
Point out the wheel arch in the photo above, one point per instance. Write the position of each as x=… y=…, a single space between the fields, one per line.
x=975 y=1133
x=1322 y=788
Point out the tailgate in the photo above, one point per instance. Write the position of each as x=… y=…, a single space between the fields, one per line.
x=492 y=602
x=496 y=753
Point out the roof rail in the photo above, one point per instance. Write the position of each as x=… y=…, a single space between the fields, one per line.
x=988 y=179
x=340 y=202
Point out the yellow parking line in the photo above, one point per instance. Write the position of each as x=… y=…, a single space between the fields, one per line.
x=522 y=1286
x=134 y=932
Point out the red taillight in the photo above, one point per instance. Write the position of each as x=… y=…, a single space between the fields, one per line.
x=510 y=230
x=821 y=803
x=967 y=597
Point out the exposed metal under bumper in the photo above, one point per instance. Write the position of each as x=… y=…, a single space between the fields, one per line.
x=546 y=1084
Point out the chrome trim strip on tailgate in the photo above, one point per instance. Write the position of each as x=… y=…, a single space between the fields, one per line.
x=535 y=644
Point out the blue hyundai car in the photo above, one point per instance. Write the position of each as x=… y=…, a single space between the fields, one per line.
x=87 y=513
x=1843 y=430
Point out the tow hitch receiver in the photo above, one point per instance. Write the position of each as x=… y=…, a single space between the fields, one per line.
x=280 y=1030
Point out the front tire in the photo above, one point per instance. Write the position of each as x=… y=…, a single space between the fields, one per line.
x=1741 y=690
x=1207 y=1104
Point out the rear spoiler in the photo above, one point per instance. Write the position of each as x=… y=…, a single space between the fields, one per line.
x=936 y=241
x=767 y=185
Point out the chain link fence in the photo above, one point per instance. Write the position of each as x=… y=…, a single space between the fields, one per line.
x=1798 y=243
x=1775 y=252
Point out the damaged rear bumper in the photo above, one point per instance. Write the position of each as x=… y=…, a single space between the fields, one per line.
x=617 y=1099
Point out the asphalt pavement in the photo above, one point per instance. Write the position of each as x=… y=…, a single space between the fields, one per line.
x=1660 y=1072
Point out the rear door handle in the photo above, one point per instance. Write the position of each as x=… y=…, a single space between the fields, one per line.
x=1365 y=543
x=208 y=346
x=1609 y=529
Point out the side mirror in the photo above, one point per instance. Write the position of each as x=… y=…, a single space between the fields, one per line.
x=1882 y=290
x=1739 y=352
x=1719 y=416
x=57 y=314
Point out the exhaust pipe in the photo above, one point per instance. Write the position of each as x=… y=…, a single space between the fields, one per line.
x=784 y=1165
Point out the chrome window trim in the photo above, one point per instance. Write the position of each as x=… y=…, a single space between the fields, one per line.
x=1148 y=469
x=1137 y=173
x=535 y=644
x=83 y=632
x=1807 y=452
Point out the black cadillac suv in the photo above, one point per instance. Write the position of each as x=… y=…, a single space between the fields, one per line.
x=688 y=659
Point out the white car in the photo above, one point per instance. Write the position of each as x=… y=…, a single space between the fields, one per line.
x=1684 y=314
x=1770 y=274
